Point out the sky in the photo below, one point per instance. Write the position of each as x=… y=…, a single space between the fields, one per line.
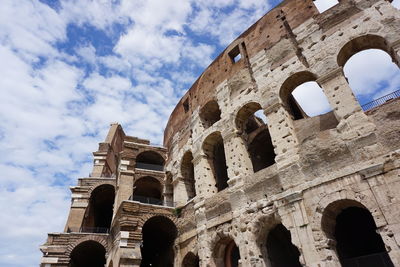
x=70 y=68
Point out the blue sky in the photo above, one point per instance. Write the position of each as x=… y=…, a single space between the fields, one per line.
x=70 y=68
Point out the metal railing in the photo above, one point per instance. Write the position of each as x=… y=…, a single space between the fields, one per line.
x=97 y=230
x=148 y=166
x=152 y=201
x=372 y=260
x=380 y=101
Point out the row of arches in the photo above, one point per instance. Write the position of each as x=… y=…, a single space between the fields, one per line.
x=252 y=126
x=347 y=222
x=304 y=97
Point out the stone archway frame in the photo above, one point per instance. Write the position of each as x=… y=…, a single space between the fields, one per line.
x=98 y=184
x=219 y=239
x=143 y=218
x=102 y=240
x=260 y=229
x=325 y=242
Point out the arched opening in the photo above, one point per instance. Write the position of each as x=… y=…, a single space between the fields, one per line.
x=358 y=243
x=226 y=253
x=302 y=97
x=281 y=251
x=357 y=240
x=187 y=171
x=100 y=210
x=147 y=190
x=158 y=234
x=213 y=147
x=150 y=160
x=210 y=113
x=371 y=71
x=191 y=260
x=88 y=253
x=251 y=123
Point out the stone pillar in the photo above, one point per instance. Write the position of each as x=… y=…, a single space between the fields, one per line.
x=129 y=256
x=237 y=158
x=180 y=192
x=294 y=217
x=204 y=177
x=344 y=104
x=76 y=213
x=124 y=185
x=281 y=129
x=250 y=251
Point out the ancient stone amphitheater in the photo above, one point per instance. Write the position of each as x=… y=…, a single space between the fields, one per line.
x=228 y=189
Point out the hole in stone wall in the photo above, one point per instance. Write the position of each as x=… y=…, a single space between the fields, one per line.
x=358 y=243
x=187 y=171
x=214 y=149
x=88 y=253
x=186 y=105
x=252 y=125
x=210 y=113
x=281 y=251
x=323 y=5
x=232 y=255
x=234 y=54
x=158 y=235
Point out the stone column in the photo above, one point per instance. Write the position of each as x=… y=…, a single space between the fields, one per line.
x=344 y=104
x=76 y=213
x=180 y=192
x=281 y=129
x=124 y=188
x=250 y=251
x=204 y=177
x=237 y=158
x=294 y=217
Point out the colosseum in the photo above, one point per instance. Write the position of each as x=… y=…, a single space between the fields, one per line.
x=230 y=189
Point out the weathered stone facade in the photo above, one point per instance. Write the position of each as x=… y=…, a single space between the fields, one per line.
x=227 y=188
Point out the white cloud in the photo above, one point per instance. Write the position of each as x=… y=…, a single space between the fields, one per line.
x=312 y=99
x=369 y=70
x=396 y=3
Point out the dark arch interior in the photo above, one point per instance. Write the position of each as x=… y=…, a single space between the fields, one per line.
x=281 y=251
x=150 y=160
x=358 y=243
x=219 y=165
x=210 y=113
x=261 y=149
x=100 y=210
x=214 y=149
x=187 y=170
x=256 y=136
x=191 y=260
x=147 y=189
x=159 y=234
x=88 y=254
x=232 y=255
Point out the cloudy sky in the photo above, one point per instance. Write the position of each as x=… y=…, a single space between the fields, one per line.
x=70 y=68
